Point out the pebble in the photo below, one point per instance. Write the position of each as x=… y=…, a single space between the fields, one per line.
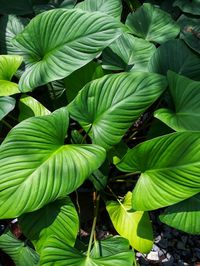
x=153 y=256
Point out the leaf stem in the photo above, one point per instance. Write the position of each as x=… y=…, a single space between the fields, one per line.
x=84 y=138
x=96 y=199
x=6 y=123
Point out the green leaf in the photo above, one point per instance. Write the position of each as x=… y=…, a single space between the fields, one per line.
x=10 y=26
x=152 y=24
x=56 y=251
x=189 y=6
x=184 y=215
x=41 y=167
x=108 y=106
x=29 y=107
x=58 y=218
x=135 y=226
x=176 y=56
x=110 y=7
x=7 y=104
x=185 y=95
x=169 y=167
x=73 y=39
x=21 y=254
x=8 y=66
x=109 y=246
x=22 y=7
x=77 y=80
x=128 y=53
x=190 y=32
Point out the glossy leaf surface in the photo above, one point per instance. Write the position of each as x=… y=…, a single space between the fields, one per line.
x=40 y=166
x=21 y=254
x=73 y=39
x=58 y=218
x=7 y=104
x=176 y=56
x=56 y=251
x=152 y=24
x=110 y=7
x=185 y=95
x=128 y=53
x=184 y=215
x=187 y=6
x=108 y=106
x=29 y=107
x=169 y=167
x=135 y=226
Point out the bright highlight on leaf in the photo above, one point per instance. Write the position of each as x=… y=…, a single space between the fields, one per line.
x=45 y=168
x=166 y=177
x=135 y=226
x=108 y=106
x=7 y=104
x=74 y=37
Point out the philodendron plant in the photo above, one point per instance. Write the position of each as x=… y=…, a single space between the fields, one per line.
x=106 y=91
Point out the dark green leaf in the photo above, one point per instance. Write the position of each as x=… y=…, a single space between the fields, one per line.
x=189 y=6
x=7 y=104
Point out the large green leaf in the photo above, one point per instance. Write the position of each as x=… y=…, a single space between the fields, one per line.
x=185 y=94
x=76 y=81
x=29 y=107
x=41 y=167
x=56 y=251
x=190 y=32
x=21 y=253
x=189 y=6
x=184 y=215
x=135 y=226
x=169 y=167
x=128 y=53
x=7 y=104
x=8 y=66
x=152 y=24
x=21 y=7
x=108 y=106
x=10 y=26
x=58 y=218
x=110 y=7
x=176 y=56
x=74 y=38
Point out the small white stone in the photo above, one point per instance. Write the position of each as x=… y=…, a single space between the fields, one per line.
x=153 y=256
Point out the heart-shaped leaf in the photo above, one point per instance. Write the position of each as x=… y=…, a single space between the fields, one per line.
x=184 y=215
x=169 y=167
x=135 y=226
x=185 y=95
x=152 y=24
x=188 y=6
x=176 y=56
x=7 y=104
x=56 y=251
x=73 y=39
x=29 y=107
x=21 y=253
x=190 y=31
x=110 y=7
x=58 y=218
x=108 y=106
x=8 y=66
x=128 y=53
x=40 y=166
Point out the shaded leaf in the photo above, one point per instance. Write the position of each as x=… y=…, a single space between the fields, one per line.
x=176 y=56
x=107 y=107
x=21 y=254
x=169 y=167
x=128 y=53
x=40 y=166
x=189 y=6
x=152 y=24
x=29 y=107
x=186 y=97
x=135 y=226
x=184 y=215
x=73 y=39
x=7 y=104
x=58 y=218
